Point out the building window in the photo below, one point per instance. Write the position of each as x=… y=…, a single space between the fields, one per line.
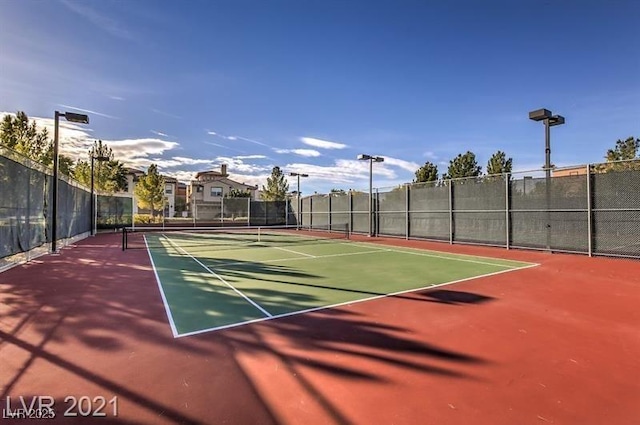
x=216 y=191
x=199 y=189
x=168 y=189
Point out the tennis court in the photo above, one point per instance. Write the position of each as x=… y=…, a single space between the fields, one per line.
x=212 y=279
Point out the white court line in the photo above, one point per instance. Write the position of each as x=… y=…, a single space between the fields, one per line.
x=319 y=257
x=253 y=303
x=279 y=316
x=293 y=252
x=164 y=298
x=444 y=257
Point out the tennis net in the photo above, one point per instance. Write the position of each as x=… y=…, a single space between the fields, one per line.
x=221 y=238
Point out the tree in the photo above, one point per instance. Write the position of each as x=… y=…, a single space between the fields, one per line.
x=499 y=164
x=338 y=192
x=150 y=190
x=627 y=149
x=277 y=186
x=427 y=173
x=23 y=136
x=624 y=150
x=238 y=193
x=463 y=166
x=109 y=176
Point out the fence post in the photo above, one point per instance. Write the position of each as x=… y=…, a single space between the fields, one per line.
x=350 y=210
x=329 y=212
x=507 y=224
x=222 y=211
x=376 y=213
x=311 y=212
x=406 y=228
x=249 y=211
x=450 y=211
x=589 y=213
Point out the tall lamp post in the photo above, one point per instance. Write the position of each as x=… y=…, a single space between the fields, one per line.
x=99 y=158
x=549 y=121
x=371 y=159
x=71 y=117
x=299 y=218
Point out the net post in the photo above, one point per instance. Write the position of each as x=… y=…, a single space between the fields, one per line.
x=589 y=213
x=124 y=237
x=222 y=211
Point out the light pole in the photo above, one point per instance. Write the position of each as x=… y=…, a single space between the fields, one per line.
x=299 y=218
x=371 y=159
x=99 y=158
x=549 y=121
x=72 y=117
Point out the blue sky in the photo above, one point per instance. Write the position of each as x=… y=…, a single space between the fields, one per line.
x=308 y=85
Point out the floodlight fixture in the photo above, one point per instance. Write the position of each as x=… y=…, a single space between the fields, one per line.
x=71 y=117
x=556 y=120
x=540 y=114
x=549 y=121
x=371 y=159
x=78 y=118
x=299 y=218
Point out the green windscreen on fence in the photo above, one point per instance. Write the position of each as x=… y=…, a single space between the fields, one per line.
x=26 y=205
x=113 y=212
x=616 y=210
x=429 y=211
x=23 y=205
x=569 y=211
x=392 y=212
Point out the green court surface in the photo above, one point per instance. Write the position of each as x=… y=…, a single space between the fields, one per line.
x=214 y=282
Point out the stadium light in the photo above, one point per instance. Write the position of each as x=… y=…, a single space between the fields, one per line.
x=71 y=117
x=371 y=159
x=99 y=158
x=299 y=218
x=549 y=121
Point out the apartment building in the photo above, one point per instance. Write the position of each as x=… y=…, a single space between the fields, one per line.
x=206 y=191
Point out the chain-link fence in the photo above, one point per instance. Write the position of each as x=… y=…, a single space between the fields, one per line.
x=592 y=209
x=26 y=208
x=114 y=211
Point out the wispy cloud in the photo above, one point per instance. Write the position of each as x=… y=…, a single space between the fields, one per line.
x=88 y=111
x=239 y=166
x=250 y=157
x=301 y=152
x=135 y=148
x=119 y=98
x=430 y=155
x=99 y=20
x=166 y=114
x=252 y=141
x=224 y=147
x=323 y=144
x=159 y=133
x=405 y=165
x=236 y=138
